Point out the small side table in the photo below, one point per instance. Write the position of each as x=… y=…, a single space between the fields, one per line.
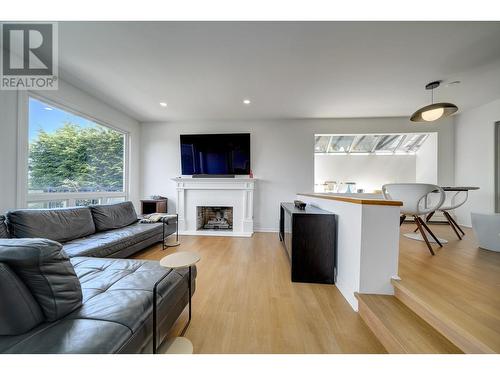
x=165 y=222
x=183 y=259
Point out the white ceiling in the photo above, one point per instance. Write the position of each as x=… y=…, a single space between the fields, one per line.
x=204 y=70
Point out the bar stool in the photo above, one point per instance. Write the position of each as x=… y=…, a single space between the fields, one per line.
x=414 y=196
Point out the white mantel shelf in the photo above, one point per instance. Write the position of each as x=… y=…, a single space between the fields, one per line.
x=216 y=192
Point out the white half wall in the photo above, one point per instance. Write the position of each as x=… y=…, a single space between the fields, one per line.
x=475 y=158
x=366 y=260
x=369 y=172
x=70 y=97
x=282 y=154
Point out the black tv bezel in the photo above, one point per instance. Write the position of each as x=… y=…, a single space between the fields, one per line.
x=217 y=175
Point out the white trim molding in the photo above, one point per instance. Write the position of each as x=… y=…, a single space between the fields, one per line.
x=22 y=149
x=216 y=192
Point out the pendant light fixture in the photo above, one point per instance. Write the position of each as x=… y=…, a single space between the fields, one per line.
x=433 y=111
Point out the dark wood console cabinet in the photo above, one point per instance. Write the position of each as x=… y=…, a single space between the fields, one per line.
x=310 y=240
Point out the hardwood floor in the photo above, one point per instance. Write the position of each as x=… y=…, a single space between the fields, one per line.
x=458 y=289
x=246 y=303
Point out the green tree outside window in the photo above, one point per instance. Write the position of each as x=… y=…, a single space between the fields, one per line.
x=76 y=159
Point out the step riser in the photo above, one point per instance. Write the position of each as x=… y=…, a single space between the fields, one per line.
x=399 y=329
x=454 y=334
x=379 y=330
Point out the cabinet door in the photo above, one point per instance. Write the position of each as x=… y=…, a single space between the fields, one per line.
x=314 y=248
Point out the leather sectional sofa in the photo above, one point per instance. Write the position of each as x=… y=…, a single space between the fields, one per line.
x=63 y=290
x=97 y=231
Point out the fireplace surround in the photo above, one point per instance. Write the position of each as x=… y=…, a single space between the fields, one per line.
x=235 y=193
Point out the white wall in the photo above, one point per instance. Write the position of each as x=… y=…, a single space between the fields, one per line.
x=369 y=172
x=475 y=158
x=426 y=167
x=282 y=154
x=70 y=97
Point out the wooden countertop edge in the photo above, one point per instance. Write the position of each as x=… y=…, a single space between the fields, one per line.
x=377 y=202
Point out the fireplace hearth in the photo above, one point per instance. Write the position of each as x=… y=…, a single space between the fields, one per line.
x=214 y=218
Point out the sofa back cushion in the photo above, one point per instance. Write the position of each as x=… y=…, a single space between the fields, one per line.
x=47 y=272
x=3 y=228
x=113 y=216
x=19 y=311
x=59 y=225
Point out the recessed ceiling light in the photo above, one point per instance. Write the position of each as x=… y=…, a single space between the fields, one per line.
x=48 y=109
x=246 y=101
x=163 y=104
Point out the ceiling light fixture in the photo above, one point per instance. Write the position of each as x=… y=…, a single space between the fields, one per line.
x=246 y=101
x=433 y=111
x=163 y=104
x=48 y=109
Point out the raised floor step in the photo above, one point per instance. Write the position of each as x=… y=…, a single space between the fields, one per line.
x=467 y=330
x=399 y=329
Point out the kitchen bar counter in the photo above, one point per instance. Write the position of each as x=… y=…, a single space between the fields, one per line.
x=367 y=241
x=358 y=198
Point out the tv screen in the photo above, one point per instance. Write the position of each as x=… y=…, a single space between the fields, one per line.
x=215 y=154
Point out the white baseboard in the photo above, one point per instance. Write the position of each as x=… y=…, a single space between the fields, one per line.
x=266 y=230
x=226 y=233
x=217 y=233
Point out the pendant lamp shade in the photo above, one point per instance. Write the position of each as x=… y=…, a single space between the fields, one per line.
x=434 y=111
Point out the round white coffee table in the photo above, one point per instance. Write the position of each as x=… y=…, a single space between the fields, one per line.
x=182 y=259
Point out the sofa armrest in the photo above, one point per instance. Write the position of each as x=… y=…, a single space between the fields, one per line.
x=170 y=219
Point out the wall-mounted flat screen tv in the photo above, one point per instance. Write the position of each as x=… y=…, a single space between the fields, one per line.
x=215 y=154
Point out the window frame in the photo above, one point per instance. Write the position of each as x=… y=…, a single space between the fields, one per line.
x=373 y=151
x=23 y=195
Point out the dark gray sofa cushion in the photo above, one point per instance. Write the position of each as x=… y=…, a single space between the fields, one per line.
x=104 y=244
x=19 y=312
x=47 y=272
x=60 y=225
x=3 y=228
x=113 y=216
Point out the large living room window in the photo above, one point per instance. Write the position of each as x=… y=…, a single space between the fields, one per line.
x=73 y=160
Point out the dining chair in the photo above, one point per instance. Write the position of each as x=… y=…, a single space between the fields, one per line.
x=455 y=201
x=450 y=203
x=414 y=198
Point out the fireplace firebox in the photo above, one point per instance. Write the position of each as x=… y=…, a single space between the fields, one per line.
x=214 y=218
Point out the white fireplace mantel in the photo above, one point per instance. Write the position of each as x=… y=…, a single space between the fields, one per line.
x=216 y=192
